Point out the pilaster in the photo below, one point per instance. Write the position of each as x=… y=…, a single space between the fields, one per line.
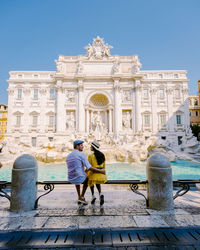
x=117 y=107
x=60 y=108
x=138 y=118
x=81 y=113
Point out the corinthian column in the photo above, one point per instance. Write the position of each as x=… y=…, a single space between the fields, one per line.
x=117 y=108
x=60 y=108
x=171 y=121
x=81 y=113
x=155 y=122
x=186 y=107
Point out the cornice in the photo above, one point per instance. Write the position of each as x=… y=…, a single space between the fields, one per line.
x=28 y=81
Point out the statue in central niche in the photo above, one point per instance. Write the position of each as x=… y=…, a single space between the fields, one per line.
x=97 y=125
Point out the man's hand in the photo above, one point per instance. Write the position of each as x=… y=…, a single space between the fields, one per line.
x=97 y=170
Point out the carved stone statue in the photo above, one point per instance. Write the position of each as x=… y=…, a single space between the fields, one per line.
x=70 y=125
x=98 y=50
x=89 y=50
x=115 y=68
x=59 y=66
x=126 y=121
x=98 y=128
x=136 y=65
x=79 y=68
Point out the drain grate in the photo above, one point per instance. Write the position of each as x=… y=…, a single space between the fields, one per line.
x=145 y=238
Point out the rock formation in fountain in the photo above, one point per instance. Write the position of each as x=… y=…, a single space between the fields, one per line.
x=129 y=148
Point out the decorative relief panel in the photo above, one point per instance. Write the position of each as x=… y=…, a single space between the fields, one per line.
x=126 y=96
x=70 y=96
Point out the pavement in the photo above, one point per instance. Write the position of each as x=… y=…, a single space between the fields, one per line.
x=122 y=209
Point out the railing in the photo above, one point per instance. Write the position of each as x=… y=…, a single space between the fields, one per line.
x=184 y=185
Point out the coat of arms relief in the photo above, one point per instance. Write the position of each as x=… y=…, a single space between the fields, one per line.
x=98 y=50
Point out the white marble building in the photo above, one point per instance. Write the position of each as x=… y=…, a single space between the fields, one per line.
x=97 y=95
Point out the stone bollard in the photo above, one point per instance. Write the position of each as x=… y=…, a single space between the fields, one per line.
x=23 y=187
x=160 y=184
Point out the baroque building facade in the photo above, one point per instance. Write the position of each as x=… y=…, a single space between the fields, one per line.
x=97 y=95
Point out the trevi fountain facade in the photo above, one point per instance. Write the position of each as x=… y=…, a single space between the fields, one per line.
x=99 y=96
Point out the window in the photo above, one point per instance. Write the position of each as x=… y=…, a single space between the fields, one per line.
x=196 y=102
x=33 y=141
x=52 y=93
x=51 y=120
x=177 y=93
x=160 y=75
x=35 y=93
x=145 y=93
x=19 y=76
x=50 y=138
x=35 y=76
x=18 y=120
x=163 y=137
x=161 y=93
x=146 y=120
x=162 y=119
x=35 y=120
x=197 y=113
x=19 y=94
x=178 y=119
x=176 y=76
x=190 y=113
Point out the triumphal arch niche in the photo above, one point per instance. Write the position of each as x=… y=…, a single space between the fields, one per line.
x=101 y=95
x=98 y=95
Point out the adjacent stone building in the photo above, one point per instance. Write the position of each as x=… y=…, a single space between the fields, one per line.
x=3 y=122
x=98 y=95
x=194 y=107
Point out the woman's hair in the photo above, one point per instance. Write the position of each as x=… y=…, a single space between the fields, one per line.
x=100 y=157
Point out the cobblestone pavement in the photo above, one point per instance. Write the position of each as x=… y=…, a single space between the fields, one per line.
x=122 y=209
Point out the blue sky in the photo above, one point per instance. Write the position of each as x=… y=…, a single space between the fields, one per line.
x=164 y=33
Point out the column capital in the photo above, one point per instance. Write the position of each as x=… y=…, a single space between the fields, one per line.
x=80 y=85
x=116 y=85
x=59 y=85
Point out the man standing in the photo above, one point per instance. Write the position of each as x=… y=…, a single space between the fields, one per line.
x=76 y=161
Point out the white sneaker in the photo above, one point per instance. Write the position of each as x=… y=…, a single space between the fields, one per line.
x=82 y=201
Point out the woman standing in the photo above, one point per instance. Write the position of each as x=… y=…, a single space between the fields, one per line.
x=97 y=160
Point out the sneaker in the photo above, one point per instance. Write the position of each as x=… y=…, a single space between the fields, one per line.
x=82 y=201
x=93 y=200
x=101 y=199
